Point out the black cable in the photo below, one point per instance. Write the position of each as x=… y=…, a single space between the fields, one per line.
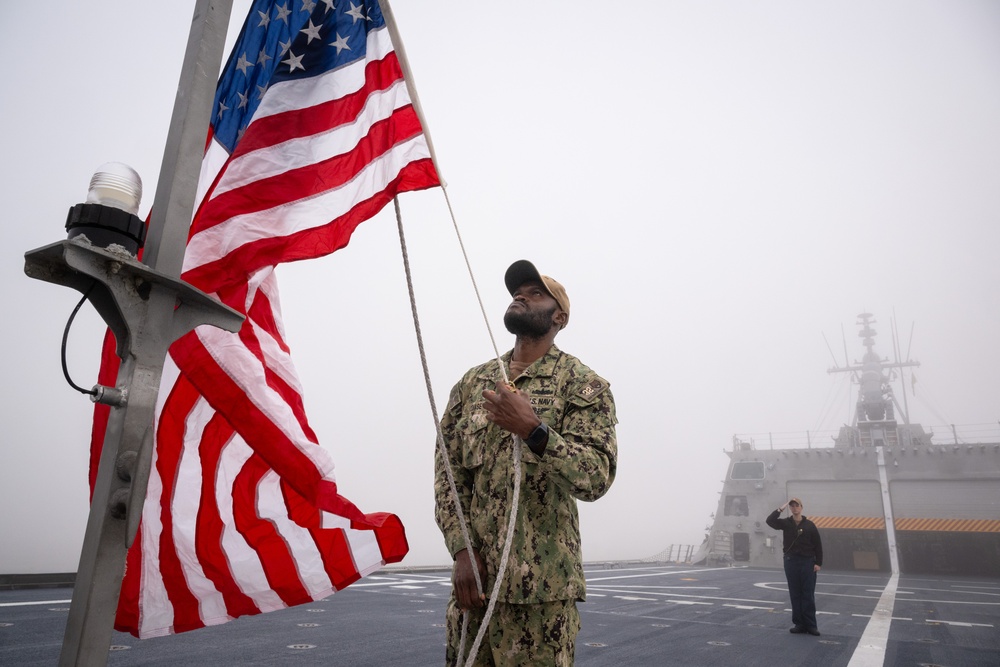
x=69 y=323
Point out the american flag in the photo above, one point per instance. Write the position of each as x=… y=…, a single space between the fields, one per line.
x=313 y=131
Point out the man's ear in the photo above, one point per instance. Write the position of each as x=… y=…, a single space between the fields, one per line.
x=560 y=317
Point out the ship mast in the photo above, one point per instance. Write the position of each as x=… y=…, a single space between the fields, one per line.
x=874 y=416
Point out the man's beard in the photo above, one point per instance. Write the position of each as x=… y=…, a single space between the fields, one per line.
x=532 y=325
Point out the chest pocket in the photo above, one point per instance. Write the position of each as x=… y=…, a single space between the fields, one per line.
x=473 y=429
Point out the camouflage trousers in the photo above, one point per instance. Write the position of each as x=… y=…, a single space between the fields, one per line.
x=519 y=634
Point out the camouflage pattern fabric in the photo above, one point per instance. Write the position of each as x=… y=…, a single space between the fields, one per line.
x=519 y=634
x=579 y=462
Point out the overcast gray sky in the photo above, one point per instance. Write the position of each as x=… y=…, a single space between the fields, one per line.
x=717 y=184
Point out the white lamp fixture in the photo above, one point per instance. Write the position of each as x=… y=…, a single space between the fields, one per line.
x=109 y=216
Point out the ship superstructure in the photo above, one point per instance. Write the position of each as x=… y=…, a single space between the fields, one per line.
x=885 y=495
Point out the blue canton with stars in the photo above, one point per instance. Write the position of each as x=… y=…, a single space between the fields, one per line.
x=287 y=39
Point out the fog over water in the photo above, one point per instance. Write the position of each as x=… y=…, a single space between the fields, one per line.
x=718 y=186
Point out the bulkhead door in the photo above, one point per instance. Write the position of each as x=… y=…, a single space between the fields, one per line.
x=741 y=547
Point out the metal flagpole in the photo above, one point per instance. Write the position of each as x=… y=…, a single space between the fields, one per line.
x=404 y=64
x=147 y=307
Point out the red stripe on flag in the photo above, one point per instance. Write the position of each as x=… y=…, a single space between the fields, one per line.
x=127 y=615
x=278 y=563
x=210 y=527
x=332 y=544
x=170 y=435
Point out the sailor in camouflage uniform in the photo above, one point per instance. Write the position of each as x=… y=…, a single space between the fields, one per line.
x=565 y=414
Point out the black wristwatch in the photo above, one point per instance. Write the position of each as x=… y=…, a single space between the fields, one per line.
x=538 y=438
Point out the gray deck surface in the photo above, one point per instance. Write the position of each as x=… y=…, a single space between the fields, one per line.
x=634 y=615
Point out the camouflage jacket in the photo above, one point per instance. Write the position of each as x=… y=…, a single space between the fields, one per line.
x=578 y=463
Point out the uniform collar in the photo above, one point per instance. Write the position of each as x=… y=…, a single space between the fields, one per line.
x=542 y=367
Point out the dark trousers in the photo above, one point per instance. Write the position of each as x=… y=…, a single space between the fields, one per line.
x=802 y=589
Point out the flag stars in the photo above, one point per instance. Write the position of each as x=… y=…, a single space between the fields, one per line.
x=308 y=6
x=244 y=100
x=283 y=12
x=285 y=46
x=243 y=64
x=294 y=62
x=264 y=19
x=356 y=13
x=260 y=91
x=311 y=32
x=222 y=109
x=340 y=44
x=329 y=5
x=263 y=57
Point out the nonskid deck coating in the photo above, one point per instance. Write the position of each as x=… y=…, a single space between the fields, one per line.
x=634 y=615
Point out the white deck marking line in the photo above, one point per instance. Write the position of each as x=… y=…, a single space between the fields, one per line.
x=367 y=583
x=960 y=624
x=611 y=589
x=894 y=618
x=656 y=573
x=871 y=647
x=747 y=607
x=28 y=604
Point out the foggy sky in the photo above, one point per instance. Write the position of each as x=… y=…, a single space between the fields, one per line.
x=717 y=185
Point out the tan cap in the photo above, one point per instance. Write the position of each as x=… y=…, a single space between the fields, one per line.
x=523 y=271
x=796 y=500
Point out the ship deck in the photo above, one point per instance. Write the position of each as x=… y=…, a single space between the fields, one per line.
x=635 y=614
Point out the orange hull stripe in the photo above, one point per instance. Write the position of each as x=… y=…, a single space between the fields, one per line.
x=927 y=525
x=850 y=522
x=950 y=525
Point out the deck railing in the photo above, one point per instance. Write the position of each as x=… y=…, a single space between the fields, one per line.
x=942 y=434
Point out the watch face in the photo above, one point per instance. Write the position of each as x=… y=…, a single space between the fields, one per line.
x=539 y=435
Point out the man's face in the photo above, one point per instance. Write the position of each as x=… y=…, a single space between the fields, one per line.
x=530 y=314
x=795 y=508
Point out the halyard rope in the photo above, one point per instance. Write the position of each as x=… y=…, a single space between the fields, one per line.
x=443 y=453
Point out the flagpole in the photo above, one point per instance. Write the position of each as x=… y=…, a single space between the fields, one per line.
x=397 y=41
x=147 y=307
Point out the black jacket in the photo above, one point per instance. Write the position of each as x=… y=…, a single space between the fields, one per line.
x=801 y=539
